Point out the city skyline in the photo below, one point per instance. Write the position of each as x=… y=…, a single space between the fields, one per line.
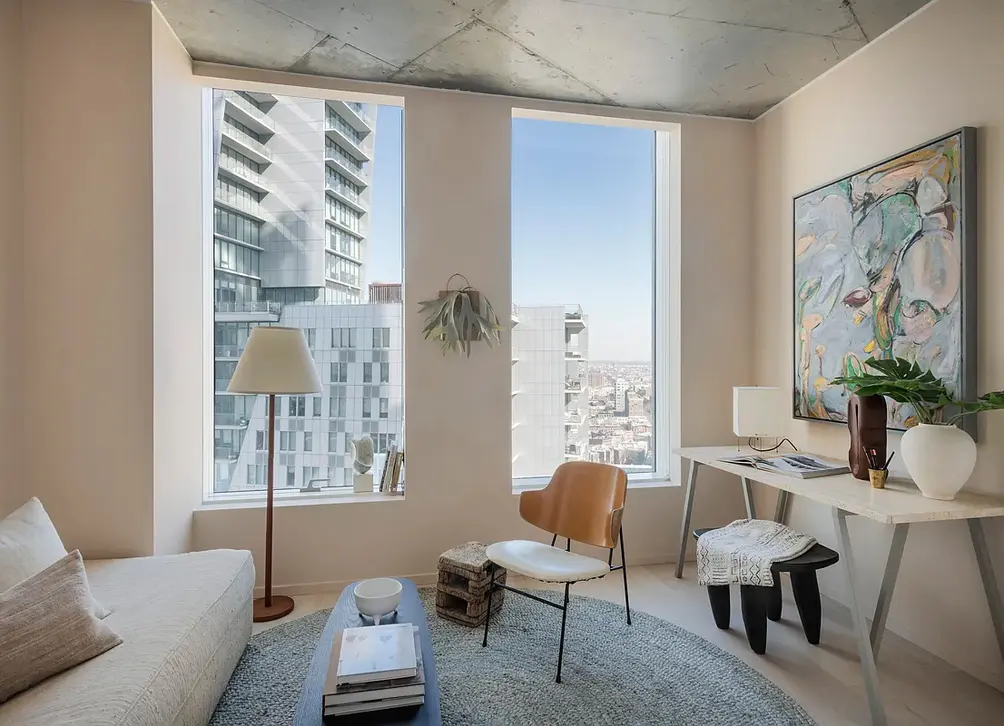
x=307 y=233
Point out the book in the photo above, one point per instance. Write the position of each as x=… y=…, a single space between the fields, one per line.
x=349 y=708
x=803 y=466
x=335 y=694
x=375 y=653
x=388 y=468
x=396 y=471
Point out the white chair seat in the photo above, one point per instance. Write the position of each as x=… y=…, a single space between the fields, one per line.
x=545 y=563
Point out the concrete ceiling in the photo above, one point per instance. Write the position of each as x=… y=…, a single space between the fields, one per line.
x=717 y=57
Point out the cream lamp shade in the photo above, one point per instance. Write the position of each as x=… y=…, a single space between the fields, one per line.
x=758 y=411
x=275 y=360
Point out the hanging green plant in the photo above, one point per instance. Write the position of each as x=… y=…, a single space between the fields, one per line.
x=459 y=317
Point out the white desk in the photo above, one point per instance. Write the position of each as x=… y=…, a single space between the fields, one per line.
x=899 y=504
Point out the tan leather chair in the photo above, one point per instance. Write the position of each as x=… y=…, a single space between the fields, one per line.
x=584 y=502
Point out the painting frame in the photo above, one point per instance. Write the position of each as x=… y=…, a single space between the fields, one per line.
x=968 y=243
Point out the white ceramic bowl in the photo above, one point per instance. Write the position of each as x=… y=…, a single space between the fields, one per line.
x=377 y=597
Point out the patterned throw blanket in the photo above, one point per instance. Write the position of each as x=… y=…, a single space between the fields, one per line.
x=742 y=552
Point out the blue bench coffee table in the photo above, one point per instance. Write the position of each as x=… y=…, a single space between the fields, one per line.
x=345 y=615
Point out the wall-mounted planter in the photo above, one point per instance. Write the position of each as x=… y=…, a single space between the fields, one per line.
x=457 y=318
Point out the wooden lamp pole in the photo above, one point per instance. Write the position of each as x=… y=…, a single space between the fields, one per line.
x=275 y=360
x=268 y=607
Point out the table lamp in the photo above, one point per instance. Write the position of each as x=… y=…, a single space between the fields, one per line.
x=758 y=412
x=275 y=360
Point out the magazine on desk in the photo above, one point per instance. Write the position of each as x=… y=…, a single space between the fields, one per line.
x=803 y=466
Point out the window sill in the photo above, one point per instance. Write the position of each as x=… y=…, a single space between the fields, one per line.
x=529 y=484
x=258 y=501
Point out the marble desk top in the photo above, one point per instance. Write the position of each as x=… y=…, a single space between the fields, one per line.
x=899 y=503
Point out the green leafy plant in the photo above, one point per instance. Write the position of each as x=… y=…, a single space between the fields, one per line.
x=906 y=382
x=992 y=401
x=458 y=317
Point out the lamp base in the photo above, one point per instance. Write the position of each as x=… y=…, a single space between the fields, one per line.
x=281 y=607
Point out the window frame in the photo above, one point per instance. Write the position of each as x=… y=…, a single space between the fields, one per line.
x=666 y=256
x=233 y=286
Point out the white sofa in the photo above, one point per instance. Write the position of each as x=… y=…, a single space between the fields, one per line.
x=184 y=621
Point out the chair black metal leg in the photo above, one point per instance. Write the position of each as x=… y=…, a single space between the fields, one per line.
x=721 y=607
x=491 y=591
x=561 y=643
x=627 y=603
x=554 y=539
x=774 y=600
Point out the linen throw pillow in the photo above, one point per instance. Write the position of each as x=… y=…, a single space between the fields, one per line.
x=28 y=544
x=47 y=625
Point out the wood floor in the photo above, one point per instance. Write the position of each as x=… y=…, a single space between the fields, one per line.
x=919 y=689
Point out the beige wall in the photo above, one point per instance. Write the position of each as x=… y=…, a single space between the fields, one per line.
x=938 y=71
x=178 y=355
x=88 y=271
x=458 y=421
x=11 y=485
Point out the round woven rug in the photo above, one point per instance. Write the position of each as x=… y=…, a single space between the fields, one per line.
x=652 y=672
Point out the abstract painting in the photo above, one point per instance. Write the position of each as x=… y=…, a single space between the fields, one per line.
x=885 y=267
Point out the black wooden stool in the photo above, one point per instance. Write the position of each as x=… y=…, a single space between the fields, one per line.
x=762 y=603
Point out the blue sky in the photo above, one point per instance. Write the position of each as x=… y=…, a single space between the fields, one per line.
x=582 y=224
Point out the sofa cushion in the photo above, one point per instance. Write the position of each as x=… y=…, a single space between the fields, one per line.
x=184 y=620
x=28 y=544
x=47 y=625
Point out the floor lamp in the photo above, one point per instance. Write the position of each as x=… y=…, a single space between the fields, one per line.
x=275 y=361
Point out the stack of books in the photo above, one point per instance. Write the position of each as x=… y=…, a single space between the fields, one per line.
x=374 y=668
x=391 y=476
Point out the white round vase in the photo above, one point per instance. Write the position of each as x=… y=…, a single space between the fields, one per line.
x=939 y=458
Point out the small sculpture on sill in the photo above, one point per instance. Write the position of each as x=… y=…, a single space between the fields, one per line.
x=362 y=454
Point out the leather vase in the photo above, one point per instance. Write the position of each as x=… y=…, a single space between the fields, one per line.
x=866 y=420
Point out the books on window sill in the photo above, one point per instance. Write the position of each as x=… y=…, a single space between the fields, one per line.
x=374 y=668
x=803 y=466
x=392 y=471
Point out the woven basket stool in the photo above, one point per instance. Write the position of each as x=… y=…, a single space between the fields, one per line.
x=462 y=591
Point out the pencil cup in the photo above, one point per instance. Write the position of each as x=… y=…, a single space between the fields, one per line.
x=878 y=477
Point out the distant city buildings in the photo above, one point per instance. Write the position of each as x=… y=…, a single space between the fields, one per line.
x=620 y=410
x=550 y=399
x=290 y=247
x=385 y=292
x=359 y=355
x=620 y=396
x=291 y=220
x=566 y=407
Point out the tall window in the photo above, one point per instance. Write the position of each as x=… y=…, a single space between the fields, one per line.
x=583 y=264
x=299 y=245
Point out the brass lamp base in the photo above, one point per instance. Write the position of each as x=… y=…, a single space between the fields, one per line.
x=281 y=607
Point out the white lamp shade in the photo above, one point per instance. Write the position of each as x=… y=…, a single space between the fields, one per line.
x=758 y=411
x=275 y=360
